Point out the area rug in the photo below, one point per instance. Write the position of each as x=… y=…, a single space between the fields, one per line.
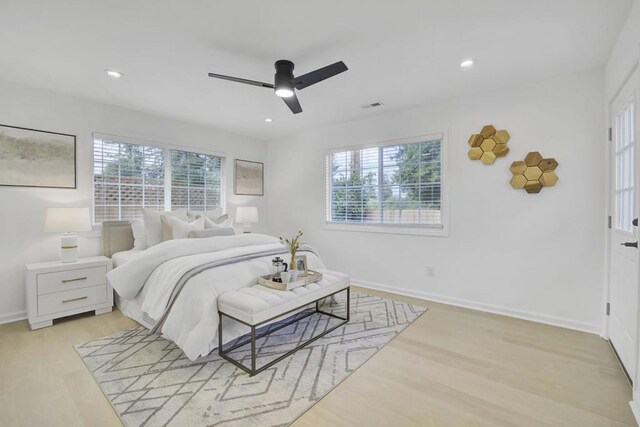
x=150 y=382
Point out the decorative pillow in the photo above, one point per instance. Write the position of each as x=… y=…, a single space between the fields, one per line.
x=212 y=232
x=139 y=234
x=221 y=219
x=220 y=222
x=154 y=226
x=213 y=214
x=180 y=229
x=167 y=232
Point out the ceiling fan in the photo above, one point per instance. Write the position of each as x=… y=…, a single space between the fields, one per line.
x=285 y=83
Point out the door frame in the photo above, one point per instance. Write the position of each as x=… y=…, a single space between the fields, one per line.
x=609 y=207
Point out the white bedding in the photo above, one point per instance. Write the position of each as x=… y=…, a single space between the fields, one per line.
x=121 y=258
x=192 y=322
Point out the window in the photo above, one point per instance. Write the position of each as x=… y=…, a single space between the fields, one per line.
x=128 y=177
x=397 y=184
x=195 y=181
x=625 y=169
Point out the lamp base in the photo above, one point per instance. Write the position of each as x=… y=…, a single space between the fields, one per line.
x=69 y=247
x=246 y=227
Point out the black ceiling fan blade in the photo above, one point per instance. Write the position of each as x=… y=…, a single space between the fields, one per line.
x=239 y=80
x=293 y=103
x=319 y=75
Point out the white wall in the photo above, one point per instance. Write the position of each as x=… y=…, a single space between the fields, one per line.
x=624 y=54
x=537 y=256
x=22 y=210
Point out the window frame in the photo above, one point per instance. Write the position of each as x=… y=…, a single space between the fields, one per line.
x=167 y=147
x=407 y=229
x=630 y=148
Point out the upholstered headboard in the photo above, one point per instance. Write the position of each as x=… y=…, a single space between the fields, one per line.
x=117 y=236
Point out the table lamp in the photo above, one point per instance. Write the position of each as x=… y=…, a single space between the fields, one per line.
x=67 y=221
x=247 y=215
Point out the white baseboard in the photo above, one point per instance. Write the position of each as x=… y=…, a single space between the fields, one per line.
x=526 y=315
x=12 y=317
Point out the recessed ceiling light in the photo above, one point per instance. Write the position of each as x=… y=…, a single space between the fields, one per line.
x=467 y=63
x=268 y=120
x=114 y=74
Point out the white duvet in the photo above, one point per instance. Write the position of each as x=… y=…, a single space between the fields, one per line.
x=192 y=322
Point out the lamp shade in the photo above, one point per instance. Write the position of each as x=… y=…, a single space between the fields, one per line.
x=66 y=220
x=247 y=214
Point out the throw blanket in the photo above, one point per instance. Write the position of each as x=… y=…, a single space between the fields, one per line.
x=129 y=278
x=177 y=284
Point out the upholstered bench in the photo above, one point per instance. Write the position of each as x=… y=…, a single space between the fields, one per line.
x=258 y=305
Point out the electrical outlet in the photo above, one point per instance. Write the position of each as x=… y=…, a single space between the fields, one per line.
x=431 y=271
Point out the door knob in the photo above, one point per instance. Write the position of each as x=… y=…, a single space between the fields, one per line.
x=630 y=244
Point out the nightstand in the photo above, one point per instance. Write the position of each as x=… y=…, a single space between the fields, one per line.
x=56 y=289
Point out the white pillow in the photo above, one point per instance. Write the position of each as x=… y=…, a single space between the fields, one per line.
x=180 y=229
x=213 y=214
x=139 y=234
x=154 y=226
x=224 y=221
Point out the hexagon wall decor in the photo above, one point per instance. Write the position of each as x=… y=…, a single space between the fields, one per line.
x=533 y=173
x=488 y=145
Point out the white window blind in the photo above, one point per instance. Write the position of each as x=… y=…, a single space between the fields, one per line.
x=397 y=184
x=128 y=177
x=195 y=181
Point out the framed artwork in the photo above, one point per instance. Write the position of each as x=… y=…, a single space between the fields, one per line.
x=300 y=262
x=36 y=158
x=249 y=179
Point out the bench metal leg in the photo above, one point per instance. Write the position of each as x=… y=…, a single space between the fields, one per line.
x=253 y=371
x=348 y=303
x=253 y=349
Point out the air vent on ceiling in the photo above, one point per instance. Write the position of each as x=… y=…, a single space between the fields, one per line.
x=372 y=105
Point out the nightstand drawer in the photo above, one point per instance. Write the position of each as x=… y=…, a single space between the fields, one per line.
x=70 y=300
x=71 y=279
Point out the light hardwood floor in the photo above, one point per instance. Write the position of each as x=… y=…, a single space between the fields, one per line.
x=451 y=367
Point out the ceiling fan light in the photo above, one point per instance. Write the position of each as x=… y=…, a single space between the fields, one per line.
x=284 y=92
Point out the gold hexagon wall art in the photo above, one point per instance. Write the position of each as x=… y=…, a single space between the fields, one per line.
x=488 y=145
x=533 y=173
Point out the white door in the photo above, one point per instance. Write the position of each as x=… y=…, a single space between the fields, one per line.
x=624 y=257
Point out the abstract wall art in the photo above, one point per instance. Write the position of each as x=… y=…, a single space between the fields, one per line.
x=36 y=158
x=533 y=173
x=249 y=178
x=488 y=145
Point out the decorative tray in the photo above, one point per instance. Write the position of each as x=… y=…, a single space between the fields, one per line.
x=311 y=277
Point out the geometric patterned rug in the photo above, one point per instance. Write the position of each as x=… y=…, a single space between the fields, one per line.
x=150 y=382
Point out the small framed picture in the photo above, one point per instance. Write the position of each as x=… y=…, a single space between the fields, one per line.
x=249 y=179
x=300 y=263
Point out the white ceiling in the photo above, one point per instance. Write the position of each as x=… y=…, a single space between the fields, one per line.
x=400 y=52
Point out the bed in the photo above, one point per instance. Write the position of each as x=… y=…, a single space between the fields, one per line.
x=120 y=258
x=172 y=287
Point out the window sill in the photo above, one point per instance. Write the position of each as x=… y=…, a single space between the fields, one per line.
x=389 y=229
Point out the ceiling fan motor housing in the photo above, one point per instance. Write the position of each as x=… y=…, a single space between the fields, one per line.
x=284 y=75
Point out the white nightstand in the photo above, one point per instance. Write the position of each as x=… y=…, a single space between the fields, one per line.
x=56 y=289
